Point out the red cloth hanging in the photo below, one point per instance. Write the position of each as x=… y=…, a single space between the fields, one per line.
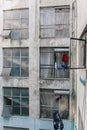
x=65 y=58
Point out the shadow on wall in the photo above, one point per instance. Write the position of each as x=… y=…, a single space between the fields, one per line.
x=80 y=122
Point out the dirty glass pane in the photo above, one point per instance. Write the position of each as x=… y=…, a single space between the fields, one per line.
x=7 y=111
x=16 y=61
x=7 y=61
x=16 y=110
x=24 y=23
x=24 y=101
x=46 y=112
x=16 y=24
x=47 y=16
x=25 y=92
x=24 y=62
x=48 y=100
x=15 y=14
x=47 y=58
x=16 y=52
x=62 y=73
x=8 y=14
x=24 y=52
x=16 y=101
x=24 y=34
x=24 y=111
x=64 y=107
x=47 y=72
x=24 y=72
x=16 y=92
x=15 y=71
x=7 y=24
x=7 y=52
x=7 y=91
x=25 y=13
x=47 y=32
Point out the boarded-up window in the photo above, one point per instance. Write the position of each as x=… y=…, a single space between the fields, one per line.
x=54 y=22
x=17 y=22
x=50 y=101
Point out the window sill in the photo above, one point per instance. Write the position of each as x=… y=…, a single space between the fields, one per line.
x=62 y=79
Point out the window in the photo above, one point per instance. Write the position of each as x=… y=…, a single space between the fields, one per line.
x=54 y=22
x=51 y=100
x=52 y=61
x=17 y=59
x=16 y=23
x=78 y=53
x=16 y=101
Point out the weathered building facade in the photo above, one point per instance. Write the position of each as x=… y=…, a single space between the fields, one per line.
x=34 y=47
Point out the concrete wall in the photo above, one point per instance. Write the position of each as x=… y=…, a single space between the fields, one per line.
x=31 y=124
x=81 y=16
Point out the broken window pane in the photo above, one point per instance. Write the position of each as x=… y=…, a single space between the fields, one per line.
x=7 y=100
x=16 y=101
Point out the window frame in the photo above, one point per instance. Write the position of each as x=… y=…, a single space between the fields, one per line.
x=43 y=67
x=54 y=25
x=12 y=64
x=53 y=104
x=10 y=103
x=12 y=27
